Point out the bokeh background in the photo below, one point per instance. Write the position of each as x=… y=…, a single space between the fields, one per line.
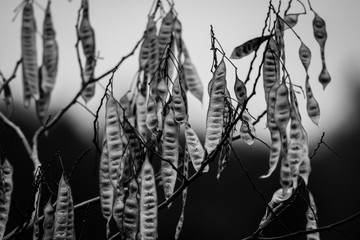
x=230 y=207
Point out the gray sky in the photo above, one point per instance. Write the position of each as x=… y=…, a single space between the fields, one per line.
x=119 y=24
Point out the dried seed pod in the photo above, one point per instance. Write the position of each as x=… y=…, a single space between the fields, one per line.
x=179 y=101
x=49 y=218
x=248 y=47
x=194 y=148
x=151 y=115
x=6 y=188
x=311 y=217
x=64 y=213
x=271 y=67
x=131 y=212
x=214 y=119
x=106 y=189
x=29 y=55
x=50 y=53
x=148 y=202
x=170 y=152
x=141 y=116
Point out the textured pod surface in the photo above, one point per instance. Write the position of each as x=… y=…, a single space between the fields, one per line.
x=113 y=137
x=195 y=149
x=86 y=33
x=141 y=116
x=179 y=101
x=282 y=113
x=6 y=188
x=64 y=213
x=312 y=106
x=50 y=53
x=274 y=132
x=248 y=47
x=271 y=67
x=48 y=224
x=247 y=129
x=151 y=115
x=106 y=189
x=305 y=56
x=131 y=211
x=291 y=20
x=240 y=91
x=29 y=55
x=214 y=119
x=166 y=28
x=192 y=79
x=311 y=217
x=148 y=203
x=170 y=153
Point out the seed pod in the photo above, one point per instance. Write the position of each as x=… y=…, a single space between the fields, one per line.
x=277 y=200
x=192 y=79
x=87 y=38
x=170 y=153
x=131 y=212
x=291 y=20
x=105 y=186
x=151 y=115
x=311 y=217
x=42 y=107
x=64 y=213
x=248 y=47
x=29 y=55
x=184 y=195
x=320 y=35
x=247 y=129
x=271 y=67
x=141 y=116
x=274 y=131
x=194 y=148
x=113 y=137
x=36 y=214
x=282 y=113
x=48 y=224
x=148 y=202
x=214 y=119
x=50 y=53
x=240 y=91
x=179 y=101
x=166 y=28
x=6 y=188
x=312 y=105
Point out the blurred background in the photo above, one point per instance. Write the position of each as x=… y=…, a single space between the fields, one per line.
x=216 y=209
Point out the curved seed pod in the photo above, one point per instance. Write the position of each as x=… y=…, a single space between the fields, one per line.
x=151 y=115
x=247 y=129
x=194 y=148
x=276 y=203
x=48 y=224
x=312 y=105
x=248 y=47
x=282 y=113
x=305 y=56
x=86 y=32
x=131 y=212
x=214 y=119
x=291 y=20
x=64 y=213
x=240 y=91
x=29 y=55
x=42 y=107
x=163 y=89
x=177 y=37
x=89 y=91
x=36 y=214
x=170 y=152
x=320 y=35
x=184 y=195
x=311 y=217
x=305 y=168
x=192 y=79
x=141 y=116
x=106 y=189
x=275 y=149
x=6 y=188
x=166 y=28
x=87 y=38
x=271 y=67
x=113 y=137
x=179 y=101
x=148 y=202
x=152 y=38
x=50 y=53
